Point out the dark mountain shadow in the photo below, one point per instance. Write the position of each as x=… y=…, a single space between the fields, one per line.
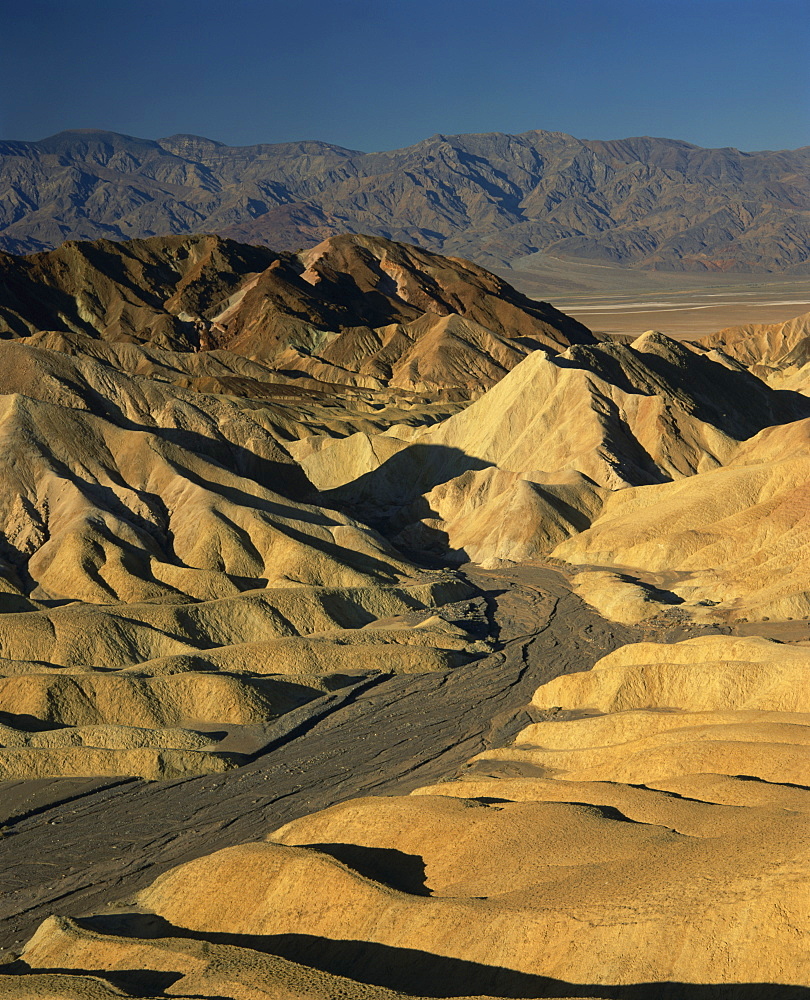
x=27 y=305
x=799 y=355
x=715 y=388
x=576 y=518
x=404 y=872
x=425 y=974
x=403 y=477
x=734 y=401
x=633 y=462
x=602 y=360
x=287 y=479
x=25 y=723
x=431 y=548
x=146 y=983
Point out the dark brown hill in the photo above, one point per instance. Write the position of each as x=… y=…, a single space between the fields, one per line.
x=355 y=309
x=641 y=202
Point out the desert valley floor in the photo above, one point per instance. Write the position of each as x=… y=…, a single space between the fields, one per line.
x=371 y=630
x=618 y=301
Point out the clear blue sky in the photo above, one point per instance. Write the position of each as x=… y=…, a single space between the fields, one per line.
x=381 y=74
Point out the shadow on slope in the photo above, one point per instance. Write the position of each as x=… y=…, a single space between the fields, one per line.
x=425 y=974
x=406 y=475
x=711 y=387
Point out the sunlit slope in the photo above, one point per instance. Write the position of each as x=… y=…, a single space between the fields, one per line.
x=656 y=845
x=734 y=538
x=160 y=570
x=533 y=461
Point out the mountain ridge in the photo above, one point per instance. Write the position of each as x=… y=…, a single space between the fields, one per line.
x=493 y=197
x=356 y=310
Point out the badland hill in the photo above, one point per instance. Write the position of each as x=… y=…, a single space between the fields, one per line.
x=494 y=198
x=355 y=309
x=369 y=630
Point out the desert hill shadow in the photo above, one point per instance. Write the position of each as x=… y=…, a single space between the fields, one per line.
x=403 y=477
x=708 y=383
x=425 y=974
x=737 y=403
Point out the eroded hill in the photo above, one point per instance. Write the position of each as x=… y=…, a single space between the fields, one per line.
x=354 y=310
x=237 y=491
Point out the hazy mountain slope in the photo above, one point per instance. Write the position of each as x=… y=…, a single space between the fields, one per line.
x=492 y=197
x=355 y=309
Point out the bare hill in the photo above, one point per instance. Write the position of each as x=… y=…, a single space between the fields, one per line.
x=160 y=570
x=645 y=851
x=535 y=459
x=355 y=309
x=235 y=635
x=728 y=543
x=773 y=346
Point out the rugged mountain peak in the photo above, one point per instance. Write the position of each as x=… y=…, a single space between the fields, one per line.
x=354 y=309
x=398 y=276
x=189 y=145
x=492 y=196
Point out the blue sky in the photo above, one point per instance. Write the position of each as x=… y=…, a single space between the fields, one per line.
x=381 y=74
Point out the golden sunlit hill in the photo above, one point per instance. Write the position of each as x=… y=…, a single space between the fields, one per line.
x=369 y=630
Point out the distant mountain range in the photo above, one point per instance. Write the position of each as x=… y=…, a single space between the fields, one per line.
x=493 y=198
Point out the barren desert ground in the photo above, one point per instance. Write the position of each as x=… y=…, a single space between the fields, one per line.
x=370 y=630
x=619 y=301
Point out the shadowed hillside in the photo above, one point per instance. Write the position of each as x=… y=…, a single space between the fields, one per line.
x=356 y=310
